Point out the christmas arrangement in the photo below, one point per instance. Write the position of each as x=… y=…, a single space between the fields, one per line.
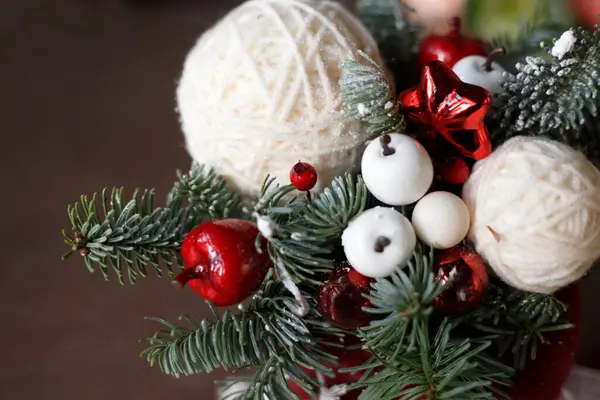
x=394 y=215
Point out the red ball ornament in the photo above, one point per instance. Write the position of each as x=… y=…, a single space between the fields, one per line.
x=303 y=176
x=221 y=261
x=341 y=298
x=469 y=282
x=451 y=47
x=453 y=170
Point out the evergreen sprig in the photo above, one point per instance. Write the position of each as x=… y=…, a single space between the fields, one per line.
x=207 y=193
x=109 y=231
x=405 y=299
x=130 y=235
x=369 y=96
x=305 y=233
x=527 y=40
x=518 y=321
x=442 y=367
x=552 y=96
x=265 y=334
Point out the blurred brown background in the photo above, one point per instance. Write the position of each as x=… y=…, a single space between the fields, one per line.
x=87 y=101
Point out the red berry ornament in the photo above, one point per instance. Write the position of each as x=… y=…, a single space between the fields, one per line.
x=451 y=47
x=469 y=277
x=303 y=176
x=221 y=261
x=341 y=298
x=453 y=170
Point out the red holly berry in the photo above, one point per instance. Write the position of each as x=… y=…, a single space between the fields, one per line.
x=453 y=170
x=341 y=298
x=451 y=47
x=221 y=261
x=469 y=277
x=303 y=176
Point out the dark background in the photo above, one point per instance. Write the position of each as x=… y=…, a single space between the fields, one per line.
x=87 y=101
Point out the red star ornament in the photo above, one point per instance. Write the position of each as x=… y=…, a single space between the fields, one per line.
x=448 y=107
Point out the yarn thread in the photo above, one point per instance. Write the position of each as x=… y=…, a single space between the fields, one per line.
x=535 y=213
x=260 y=91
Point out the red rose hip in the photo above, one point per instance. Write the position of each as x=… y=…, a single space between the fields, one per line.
x=221 y=261
x=303 y=176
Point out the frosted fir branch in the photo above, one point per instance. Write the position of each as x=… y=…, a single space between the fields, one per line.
x=553 y=96
x=369 y=96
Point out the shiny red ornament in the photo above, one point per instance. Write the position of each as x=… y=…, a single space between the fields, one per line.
x=341 y=298
x=450 y=48
x=445 y=107
x=303 y=176
x=221 y=261
x=453 y=170
x=468 y=273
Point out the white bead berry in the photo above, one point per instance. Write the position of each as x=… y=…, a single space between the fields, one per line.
x=397 y=169
x=441 y=220
x=378 y=241
x=472 y=70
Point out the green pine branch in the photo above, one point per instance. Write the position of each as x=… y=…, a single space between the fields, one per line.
x=518 y=321
x=129 y=235
x=265 y=334
x=369 y=96
x=305 y=233
x=442 y=367
x=405 y=300
x=552 y=96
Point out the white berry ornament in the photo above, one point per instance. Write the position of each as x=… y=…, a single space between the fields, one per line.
x=481 y=71
x=378 y=241
x=260 y=91
x=397 y=169
x=535 y=213
x=441 y=220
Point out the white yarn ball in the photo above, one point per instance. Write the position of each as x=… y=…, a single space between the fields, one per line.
x=441 y=220
x=260 y=91
x=535 y=213
x=378 y=241
x=400 y=178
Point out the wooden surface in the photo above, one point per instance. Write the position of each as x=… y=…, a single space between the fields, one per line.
x=87 y=101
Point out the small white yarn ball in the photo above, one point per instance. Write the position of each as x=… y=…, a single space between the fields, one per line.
x=400 y=178
x=535 y=213
x=260 y=91
x=378 y=241
x=441 y=220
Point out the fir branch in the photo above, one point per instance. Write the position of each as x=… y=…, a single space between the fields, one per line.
x=265 y=333
x=441 y=368
x=552 y=96
x=406 y=300
x=518 y=321
x=111 y=232
x=305 y=233
x=369 y=96
x=207 y=193
x=130 y=235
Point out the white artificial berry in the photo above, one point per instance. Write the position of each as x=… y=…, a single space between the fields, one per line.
x=397 y=169
x=378 y=241
x=473 y=70
x=441 y=220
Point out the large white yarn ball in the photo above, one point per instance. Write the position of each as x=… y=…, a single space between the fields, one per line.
x=535 y=213
x=259 y=91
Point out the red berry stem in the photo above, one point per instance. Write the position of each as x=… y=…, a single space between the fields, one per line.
x=385 y=141
x=299 y=167
x=455 y=27
x=187 y=275
x=487 y=65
